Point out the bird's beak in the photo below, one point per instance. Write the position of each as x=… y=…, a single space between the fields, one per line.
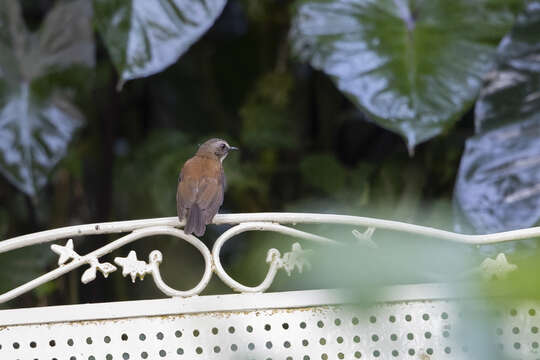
x=233 y=148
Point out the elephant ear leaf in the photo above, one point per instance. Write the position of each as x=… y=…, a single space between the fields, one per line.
x=413 y=66
x=146 y=36
x=36 y=126
x=498 y=185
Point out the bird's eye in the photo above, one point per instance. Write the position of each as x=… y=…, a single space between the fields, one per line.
x=223 y=146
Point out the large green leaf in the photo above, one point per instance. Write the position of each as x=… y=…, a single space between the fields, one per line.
x=498 y=182
x=146 y=36
x=512 y=92
x=36 y=120
x=414 y=66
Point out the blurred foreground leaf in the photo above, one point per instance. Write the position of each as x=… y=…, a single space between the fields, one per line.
x=37 y=122
x=498 y=182
x=414 y=66
x=146 y=36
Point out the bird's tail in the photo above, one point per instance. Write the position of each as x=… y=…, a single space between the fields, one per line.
x=194 y=222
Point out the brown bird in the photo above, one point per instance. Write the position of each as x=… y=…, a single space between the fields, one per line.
x=201 y=186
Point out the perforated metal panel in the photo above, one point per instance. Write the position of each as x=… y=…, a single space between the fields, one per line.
x=399 y=330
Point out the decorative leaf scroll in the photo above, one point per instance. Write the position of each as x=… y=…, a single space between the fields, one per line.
x=296 y=258
x=498 y=182
x=66 y=253
x=36 y=126
x=90 y=273
x=146 y=36
x=414 y=66
x=498 y=268
x=365 y=238
x=133 y=267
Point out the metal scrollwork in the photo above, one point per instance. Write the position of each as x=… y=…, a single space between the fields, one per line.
x=296 y=259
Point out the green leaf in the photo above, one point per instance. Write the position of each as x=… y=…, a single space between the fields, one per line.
x=155 y=164
x=511 y=93
x=146 y=36
x=338 y=187
x=498 y=182
x=267 y=122
x=37 y=122
x=324 y=173
x=414 y=66
x=23 y=265
x=4 y=223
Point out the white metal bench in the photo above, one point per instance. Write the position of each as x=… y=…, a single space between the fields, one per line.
x=405 y=322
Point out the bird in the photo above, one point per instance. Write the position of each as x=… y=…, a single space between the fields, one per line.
x=201 y=186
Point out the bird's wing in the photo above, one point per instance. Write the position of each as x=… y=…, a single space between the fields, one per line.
x=210 y=196
x=201 y=182
x=187 y=189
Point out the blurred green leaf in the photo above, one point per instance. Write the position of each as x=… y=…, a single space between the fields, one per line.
x=323 y=172
x=36 y=126
x=144 y=37
x=414 y=66
x=266 y=118
x=524 y=281
x=23 y=265
x=400 y=259
x=145 y=183
x=4 y=223
x=497 y=187
x=46 y=289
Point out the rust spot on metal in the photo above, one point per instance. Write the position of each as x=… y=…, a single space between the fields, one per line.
x=319 y=310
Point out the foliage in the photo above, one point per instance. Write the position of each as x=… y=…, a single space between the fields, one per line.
x=153 y=192
x=414 y=66
x=266 y=119
x=22 y=265
x=497 y=187
x=324 y=174
x=144 y=37
x=37 y=122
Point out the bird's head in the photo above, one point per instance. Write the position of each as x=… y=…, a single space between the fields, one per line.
x=215 y=147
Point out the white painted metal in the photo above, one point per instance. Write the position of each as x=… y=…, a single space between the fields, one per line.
x=70 y=259
x=296 y=325
x=282 y=218
x=316 y=324
x=273 y=257
x=229 y=302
